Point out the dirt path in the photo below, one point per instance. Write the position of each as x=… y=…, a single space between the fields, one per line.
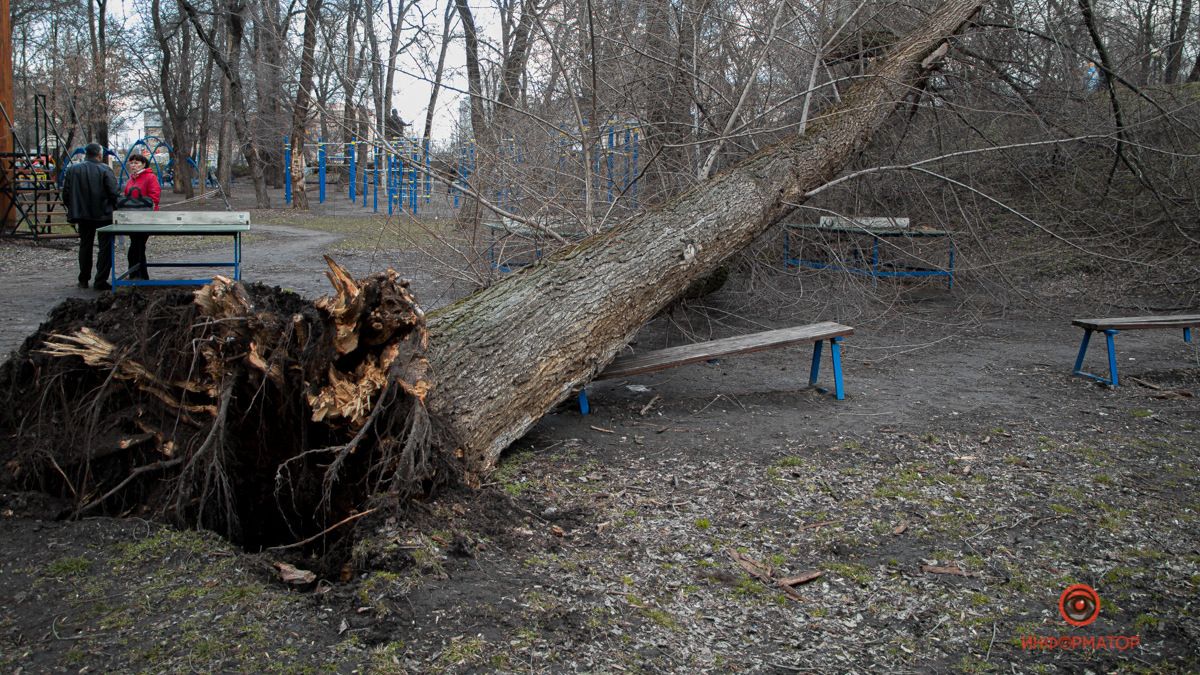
x=39 y=276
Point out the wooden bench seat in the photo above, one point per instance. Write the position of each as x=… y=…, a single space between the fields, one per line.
x=1113 y=325
x=671 y=357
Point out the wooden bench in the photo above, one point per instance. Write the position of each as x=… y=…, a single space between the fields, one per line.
x=1112 y=326
x=662 y=359
x=177 y=224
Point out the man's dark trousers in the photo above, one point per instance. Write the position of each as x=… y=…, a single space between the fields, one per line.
x=104 y=261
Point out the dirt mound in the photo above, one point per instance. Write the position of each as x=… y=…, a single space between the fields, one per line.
x=239 y=408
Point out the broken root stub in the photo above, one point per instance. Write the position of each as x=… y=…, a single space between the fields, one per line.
x=240 y=408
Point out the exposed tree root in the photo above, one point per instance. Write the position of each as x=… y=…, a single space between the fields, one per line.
x=239 y=408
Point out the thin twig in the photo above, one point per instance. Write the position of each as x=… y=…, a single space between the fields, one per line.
x=326 y=531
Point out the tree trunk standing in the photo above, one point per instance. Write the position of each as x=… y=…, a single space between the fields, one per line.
x=312 y=10
x=175 y=83
x=1179 y=31
x=350 y=75
x=447 y=24
x=506 y=355
x=202 y=130
x=270 y=34
x=237 y=96
x=98 y=35
x=474 y=77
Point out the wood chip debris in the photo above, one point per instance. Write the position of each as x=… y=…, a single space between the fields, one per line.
x=951 y=569
x=899 y=529
x=295 y=576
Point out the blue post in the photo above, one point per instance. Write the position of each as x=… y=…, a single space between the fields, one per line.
x=835 y=349
x=1083 y=347
x=287 y=170
x=1187 y=335
x=375 y=200
x=428 y=174
x=584 y=408
x=950 y=281
x=1112 y=357
x=414 y=182
x=635 y=168
x=609 y=162
x=321 y=170
x=816 y=363
x=390 y=185
x=353 y=168
x=625 y=179
x=366 y=187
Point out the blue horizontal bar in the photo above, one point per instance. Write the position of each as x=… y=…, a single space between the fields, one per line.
x=912 y=272
x=163 y=282
x=193 y=264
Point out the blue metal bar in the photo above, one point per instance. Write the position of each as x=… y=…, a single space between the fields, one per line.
x=1187 y=334
x=353 y=168
x=321 y=170
x=1112 y=357
x=378 y=158
x=1083 y=347
x=287 y=170
x=584 y=407
x=391 y=188
x=835 y=350
x=237 y=257
x=950 y=276
x=635 y=169
x=815 y=370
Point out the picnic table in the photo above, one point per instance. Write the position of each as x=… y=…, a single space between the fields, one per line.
x=875 y=229
x=179 y=224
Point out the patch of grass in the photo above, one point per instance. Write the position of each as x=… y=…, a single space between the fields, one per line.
x=1062 y=510
x=703 y=523
x=1145 y=623
x=163 y=543
x=68 y=567
x=462 y=651
x=661 y=617
x=1141 y=413
x=855 y=572
x=979 y=599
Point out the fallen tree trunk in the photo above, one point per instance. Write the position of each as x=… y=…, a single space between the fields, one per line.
x=503 y=357
x=250 y=411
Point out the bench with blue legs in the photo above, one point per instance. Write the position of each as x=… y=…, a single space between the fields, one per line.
x=817 y=334
x=1111 y=326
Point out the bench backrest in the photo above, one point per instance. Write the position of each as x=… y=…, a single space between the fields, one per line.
x=146 y=217
x=867 y=222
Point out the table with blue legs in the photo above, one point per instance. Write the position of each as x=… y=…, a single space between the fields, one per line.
x=179 y=224
x=874 y=267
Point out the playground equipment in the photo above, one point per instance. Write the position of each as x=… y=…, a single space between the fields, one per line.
x=615 y=165
x=400 y=166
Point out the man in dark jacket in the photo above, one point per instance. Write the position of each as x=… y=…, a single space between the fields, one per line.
x=90 y=193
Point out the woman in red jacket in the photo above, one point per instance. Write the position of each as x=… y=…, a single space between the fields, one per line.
x=143 y=183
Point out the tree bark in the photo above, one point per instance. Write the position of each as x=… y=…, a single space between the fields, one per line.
x=504 y=356
x=229 y=65
x=312 y=10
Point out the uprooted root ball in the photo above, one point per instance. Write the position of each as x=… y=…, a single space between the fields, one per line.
x=240 y=408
